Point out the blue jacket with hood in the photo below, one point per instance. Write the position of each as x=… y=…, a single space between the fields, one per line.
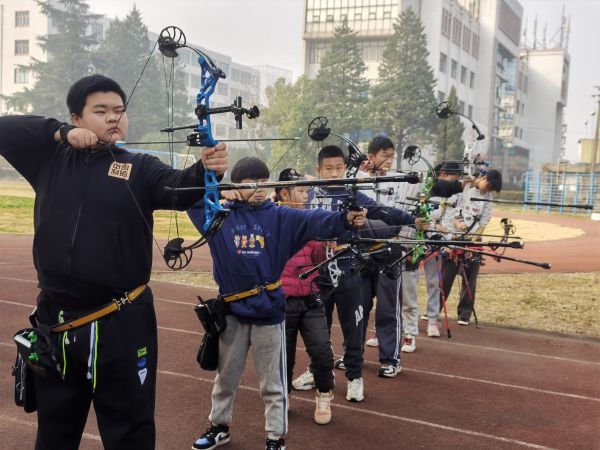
x=253 y=246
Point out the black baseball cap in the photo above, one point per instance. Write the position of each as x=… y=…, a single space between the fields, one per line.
x=451 y=167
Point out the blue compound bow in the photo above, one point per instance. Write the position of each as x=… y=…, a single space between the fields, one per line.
x=176 y=255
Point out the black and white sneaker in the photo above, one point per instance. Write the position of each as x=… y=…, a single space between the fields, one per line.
x=389 y=370
x=279 y=444
x=213 y=437
x=339 y=364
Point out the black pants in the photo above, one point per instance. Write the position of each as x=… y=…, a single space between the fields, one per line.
x=312 y=325
x=119 y=378
x=388 y=317
x=450 y=268
x=354 y=300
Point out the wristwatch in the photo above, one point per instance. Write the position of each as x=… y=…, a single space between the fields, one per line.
x=64 y=131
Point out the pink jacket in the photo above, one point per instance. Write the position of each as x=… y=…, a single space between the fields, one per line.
x=312 y=253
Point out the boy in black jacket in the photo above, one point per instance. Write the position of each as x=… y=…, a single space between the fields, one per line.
x=92 y=245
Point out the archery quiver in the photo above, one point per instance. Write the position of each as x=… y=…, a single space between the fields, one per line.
x=212 y=316
x=36 y=356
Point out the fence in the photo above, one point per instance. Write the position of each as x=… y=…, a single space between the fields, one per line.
x=564 y=188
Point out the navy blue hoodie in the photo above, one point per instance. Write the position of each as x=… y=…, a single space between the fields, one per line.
x=253 y=246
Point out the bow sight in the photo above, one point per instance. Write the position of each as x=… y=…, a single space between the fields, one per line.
x=173 y=38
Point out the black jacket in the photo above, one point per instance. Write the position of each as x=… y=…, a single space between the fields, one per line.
x=91 y=242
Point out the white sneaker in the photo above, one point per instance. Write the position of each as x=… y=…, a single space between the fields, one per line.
x=408 y=344
x=323 y=408
x=373 y=342
x=433 y=329
x=463 y=322
x=424 y=317
x=355 y=392
x=304 y=382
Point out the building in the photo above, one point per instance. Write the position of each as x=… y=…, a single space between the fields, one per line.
x=474 y=46
x=547 y=94
x=21 y=23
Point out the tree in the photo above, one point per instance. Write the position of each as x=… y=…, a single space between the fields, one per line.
x=289 y=113
x=124 y=56
x=449 y=143
x=402 y=104
x=340 y=88
x=68 y=59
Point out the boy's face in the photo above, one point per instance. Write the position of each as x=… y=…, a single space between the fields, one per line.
x=296 y=197
x=332 y=168
x=254 y=196
x=104 y=114
x=483 y=185
x=382 y=160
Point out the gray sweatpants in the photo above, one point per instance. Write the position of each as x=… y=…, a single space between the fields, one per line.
x=410 y=306
x=268 y=353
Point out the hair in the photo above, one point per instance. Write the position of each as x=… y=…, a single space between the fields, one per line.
x=330 y=151
x=494 y=179
x=379 y=142
x=249 y=167
x=288 y=174
x=79 y=92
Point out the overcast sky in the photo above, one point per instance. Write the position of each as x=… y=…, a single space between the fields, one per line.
x=256 y=32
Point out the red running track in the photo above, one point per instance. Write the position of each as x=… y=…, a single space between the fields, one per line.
x=484 y=388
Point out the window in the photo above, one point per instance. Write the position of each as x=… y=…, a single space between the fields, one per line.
x=443 y=61
x=466 y=40
x=470 y=112
x=441 y=96
x=21 y=75
x=463 y=74
x=329 y=18
x=22 y=47
x=316 y=51
x=245 y=78
x=453 y=68
x=461 y=107
x=446 y=22
x=357 y=16
x=456 y=29
x=472 y=80
x=235 y=75
x=21 y=18
x=475 y=46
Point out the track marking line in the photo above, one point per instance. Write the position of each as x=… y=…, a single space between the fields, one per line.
x=93 y=437
x=380 y=414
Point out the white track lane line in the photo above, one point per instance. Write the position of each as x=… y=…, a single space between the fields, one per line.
x=90 y=436
x=379 y=414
